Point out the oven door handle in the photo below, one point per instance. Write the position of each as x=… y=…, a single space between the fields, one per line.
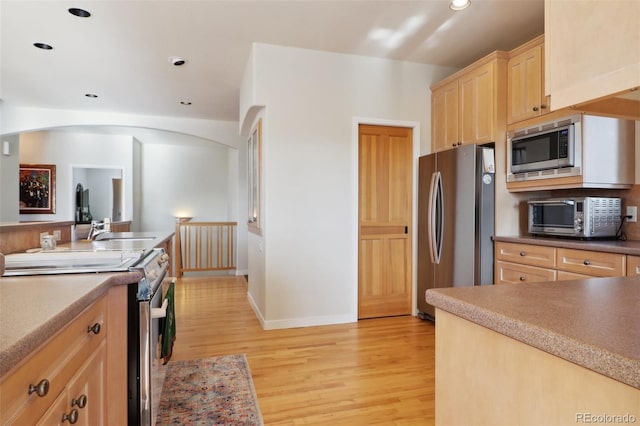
x=160 y=312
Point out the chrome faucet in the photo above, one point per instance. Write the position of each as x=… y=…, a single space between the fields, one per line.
x=96 y=229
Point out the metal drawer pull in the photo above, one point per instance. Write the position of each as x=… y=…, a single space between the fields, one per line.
x=586 y=263
x=72 y=417
x=522 y=278
x=523 y=254
x=41 y=389
x=80 y=402
x=95 y=328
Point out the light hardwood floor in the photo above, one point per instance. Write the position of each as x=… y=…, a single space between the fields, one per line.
x=375 y=371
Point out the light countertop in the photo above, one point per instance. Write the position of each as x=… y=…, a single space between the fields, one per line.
x=594 y=323
x=34 y=308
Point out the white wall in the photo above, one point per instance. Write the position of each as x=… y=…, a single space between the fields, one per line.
x=68 y=150
x=187 y=180
x=309 y=239
x=9 y=172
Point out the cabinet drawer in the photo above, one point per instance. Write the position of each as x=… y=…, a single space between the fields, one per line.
x=633 y=265
x=593 y=263
x=564 y=275
x=511 y=273
x=527 y=254
x=57 y=360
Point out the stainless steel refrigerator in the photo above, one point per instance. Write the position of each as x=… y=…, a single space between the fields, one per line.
x=455 y=220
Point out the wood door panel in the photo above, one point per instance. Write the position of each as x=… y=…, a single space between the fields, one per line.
x=385 y=203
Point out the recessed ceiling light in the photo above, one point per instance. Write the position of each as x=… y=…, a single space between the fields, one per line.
x=185 y=103
x=178 y=62
x=43 y=46
x=81 y=13
x=459 y=4
x=91 y=95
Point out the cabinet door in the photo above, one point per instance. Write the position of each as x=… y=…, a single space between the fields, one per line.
x=444 y=113
x=54 y=415
x=564 y=275
x=525 y=86
x=633 y=265
x=512 y=273
x=477 y=105
x=86 y=391
x=592 y=263
x=526 y=254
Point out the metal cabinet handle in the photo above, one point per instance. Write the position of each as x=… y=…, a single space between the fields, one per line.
x=72 y=417
x=81 y=402
x=523 y=254
x=543 y=106
x=459 y=143
x=535 y=108
x=522 y=278
x=41 y=389
x=586 y=263
x=95 y=328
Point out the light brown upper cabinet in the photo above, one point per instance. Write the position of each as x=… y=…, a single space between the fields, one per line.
x=592 y=54
x=525 y=77
x=470 y=105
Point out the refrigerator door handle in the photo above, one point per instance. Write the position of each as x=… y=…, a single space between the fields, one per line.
x=431 y=208
x=439 y=219
x=433 y=221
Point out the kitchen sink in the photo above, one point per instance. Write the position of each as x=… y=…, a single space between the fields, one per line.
x=68 y=262
x=123 y=236
x=127 y=239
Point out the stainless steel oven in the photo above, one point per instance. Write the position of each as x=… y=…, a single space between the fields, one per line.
x=146 y=311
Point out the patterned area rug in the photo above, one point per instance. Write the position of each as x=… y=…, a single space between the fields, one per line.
x=212 y=391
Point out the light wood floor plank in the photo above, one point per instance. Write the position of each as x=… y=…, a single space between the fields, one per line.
x=373 y=372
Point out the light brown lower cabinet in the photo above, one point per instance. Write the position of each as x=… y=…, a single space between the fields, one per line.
x=526 y=263
x=633 y=265
x=512 y=273
x=537 y=388
x=564 y=275
x=70 y=378
x=83 y=400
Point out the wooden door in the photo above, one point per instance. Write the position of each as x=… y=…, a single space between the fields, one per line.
x=385 y=200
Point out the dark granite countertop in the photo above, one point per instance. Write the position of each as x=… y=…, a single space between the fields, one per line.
x=594 y=323
x=608 y=246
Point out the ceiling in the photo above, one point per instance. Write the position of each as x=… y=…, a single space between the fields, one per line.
x=121 y=52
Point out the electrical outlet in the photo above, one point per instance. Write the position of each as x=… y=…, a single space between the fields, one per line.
x=57 y=235
x=633 y=212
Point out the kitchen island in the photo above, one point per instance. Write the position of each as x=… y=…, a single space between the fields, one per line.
x=65 y=329
x=538 y=353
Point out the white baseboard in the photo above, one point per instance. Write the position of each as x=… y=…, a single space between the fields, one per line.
x=299 y=322
x=308 y=322
x=256 y=310
x=241 y=272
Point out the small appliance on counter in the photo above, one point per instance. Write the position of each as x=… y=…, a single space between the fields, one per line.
x=582 y=217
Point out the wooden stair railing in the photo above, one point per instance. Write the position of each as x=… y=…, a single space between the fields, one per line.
x=205 y=246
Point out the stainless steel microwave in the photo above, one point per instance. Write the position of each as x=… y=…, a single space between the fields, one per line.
x=584 y=217
x=548 y=146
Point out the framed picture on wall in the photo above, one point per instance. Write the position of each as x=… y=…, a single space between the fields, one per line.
x=37 y=188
